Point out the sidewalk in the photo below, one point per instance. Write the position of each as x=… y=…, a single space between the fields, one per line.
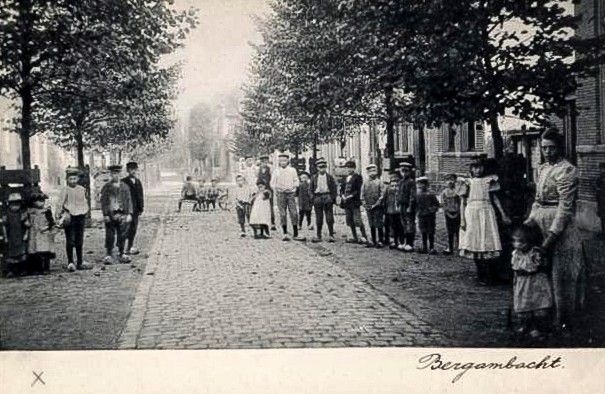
x=79 y=310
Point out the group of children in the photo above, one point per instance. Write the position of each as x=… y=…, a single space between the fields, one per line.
x=396 y=207
x=202 y=195
x=28 y=227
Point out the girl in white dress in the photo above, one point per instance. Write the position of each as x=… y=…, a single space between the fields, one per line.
x=479 y=235
x=260 y=215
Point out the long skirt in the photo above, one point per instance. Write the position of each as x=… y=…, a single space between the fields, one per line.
x=261 y=212
x=568 y=268
x=480 y=239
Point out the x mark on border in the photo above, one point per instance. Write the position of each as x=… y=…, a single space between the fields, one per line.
x=38 y=378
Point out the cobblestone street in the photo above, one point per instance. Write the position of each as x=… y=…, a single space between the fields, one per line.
x=198 y=285
x=212 y=289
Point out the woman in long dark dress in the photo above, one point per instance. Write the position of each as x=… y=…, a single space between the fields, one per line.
x=553 y=212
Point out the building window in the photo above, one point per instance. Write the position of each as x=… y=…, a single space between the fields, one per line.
x=470 y=137
x=449 y=138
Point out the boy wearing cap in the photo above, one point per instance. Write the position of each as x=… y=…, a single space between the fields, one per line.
x=138 y=204
x=373 y=199
x=284 y=182
x=305 y=204
x=351 y=203
x=116 y=205
x=392 y=223
x=450 y=201
x=407 y=203
x=71 y=213
x=242 y=196
x=427 y=206
x=324 y=191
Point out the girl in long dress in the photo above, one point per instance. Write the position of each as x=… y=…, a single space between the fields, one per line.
x=479 y=235
x=260 y=215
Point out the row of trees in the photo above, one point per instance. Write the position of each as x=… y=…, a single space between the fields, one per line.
x=88 y=73
x=324 y=66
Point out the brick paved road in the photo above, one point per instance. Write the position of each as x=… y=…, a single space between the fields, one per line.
x=208 y=288
x=80 y=310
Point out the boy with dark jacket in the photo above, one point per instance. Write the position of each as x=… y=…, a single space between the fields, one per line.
x=138 y=203
x=116 y=206
x=324 y=191
x=351 y=203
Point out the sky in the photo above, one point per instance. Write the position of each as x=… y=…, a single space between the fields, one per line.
x=217 y=53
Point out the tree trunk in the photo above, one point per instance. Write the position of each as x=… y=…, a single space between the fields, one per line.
x=26 y=125
x=421 y=162
x=79 y=147
x=390 y=126
x=25 y=24
x=496 y=137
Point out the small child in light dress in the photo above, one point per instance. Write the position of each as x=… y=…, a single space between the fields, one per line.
x=41 y=235
x=260 y=215
x=532 y=292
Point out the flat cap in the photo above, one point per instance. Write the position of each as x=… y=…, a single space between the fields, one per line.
x=284 y=155
x=350 y=164
x=321 y=161
x=115 y=168
x=422 y=179
x=132 y=165
x=405 y=164
x=72 y=171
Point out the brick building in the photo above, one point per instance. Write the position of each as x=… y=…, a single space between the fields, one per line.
x=584 y=126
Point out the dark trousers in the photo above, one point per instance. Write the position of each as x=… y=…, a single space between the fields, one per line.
x=392 y=227
x=74 y=238
x=271 y=200
x=324 y=206
x=302 y=214
x=113 y=229
x=132 y=230
x=452 y=226
x=243 y=215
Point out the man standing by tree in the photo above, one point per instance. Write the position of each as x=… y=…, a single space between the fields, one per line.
x=284 y=182
x=116 y=206
x=138 y=203
x=264 y=175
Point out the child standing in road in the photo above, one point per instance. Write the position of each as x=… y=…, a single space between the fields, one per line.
x=373 y=198
x=71 y=214
x=242 y=196
x=305 y=204
x=260 y=216
x=479 y=235
x=393 y=212
x=450 y=201
x=427 y=206
x=41 y=236
x=532 y=293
